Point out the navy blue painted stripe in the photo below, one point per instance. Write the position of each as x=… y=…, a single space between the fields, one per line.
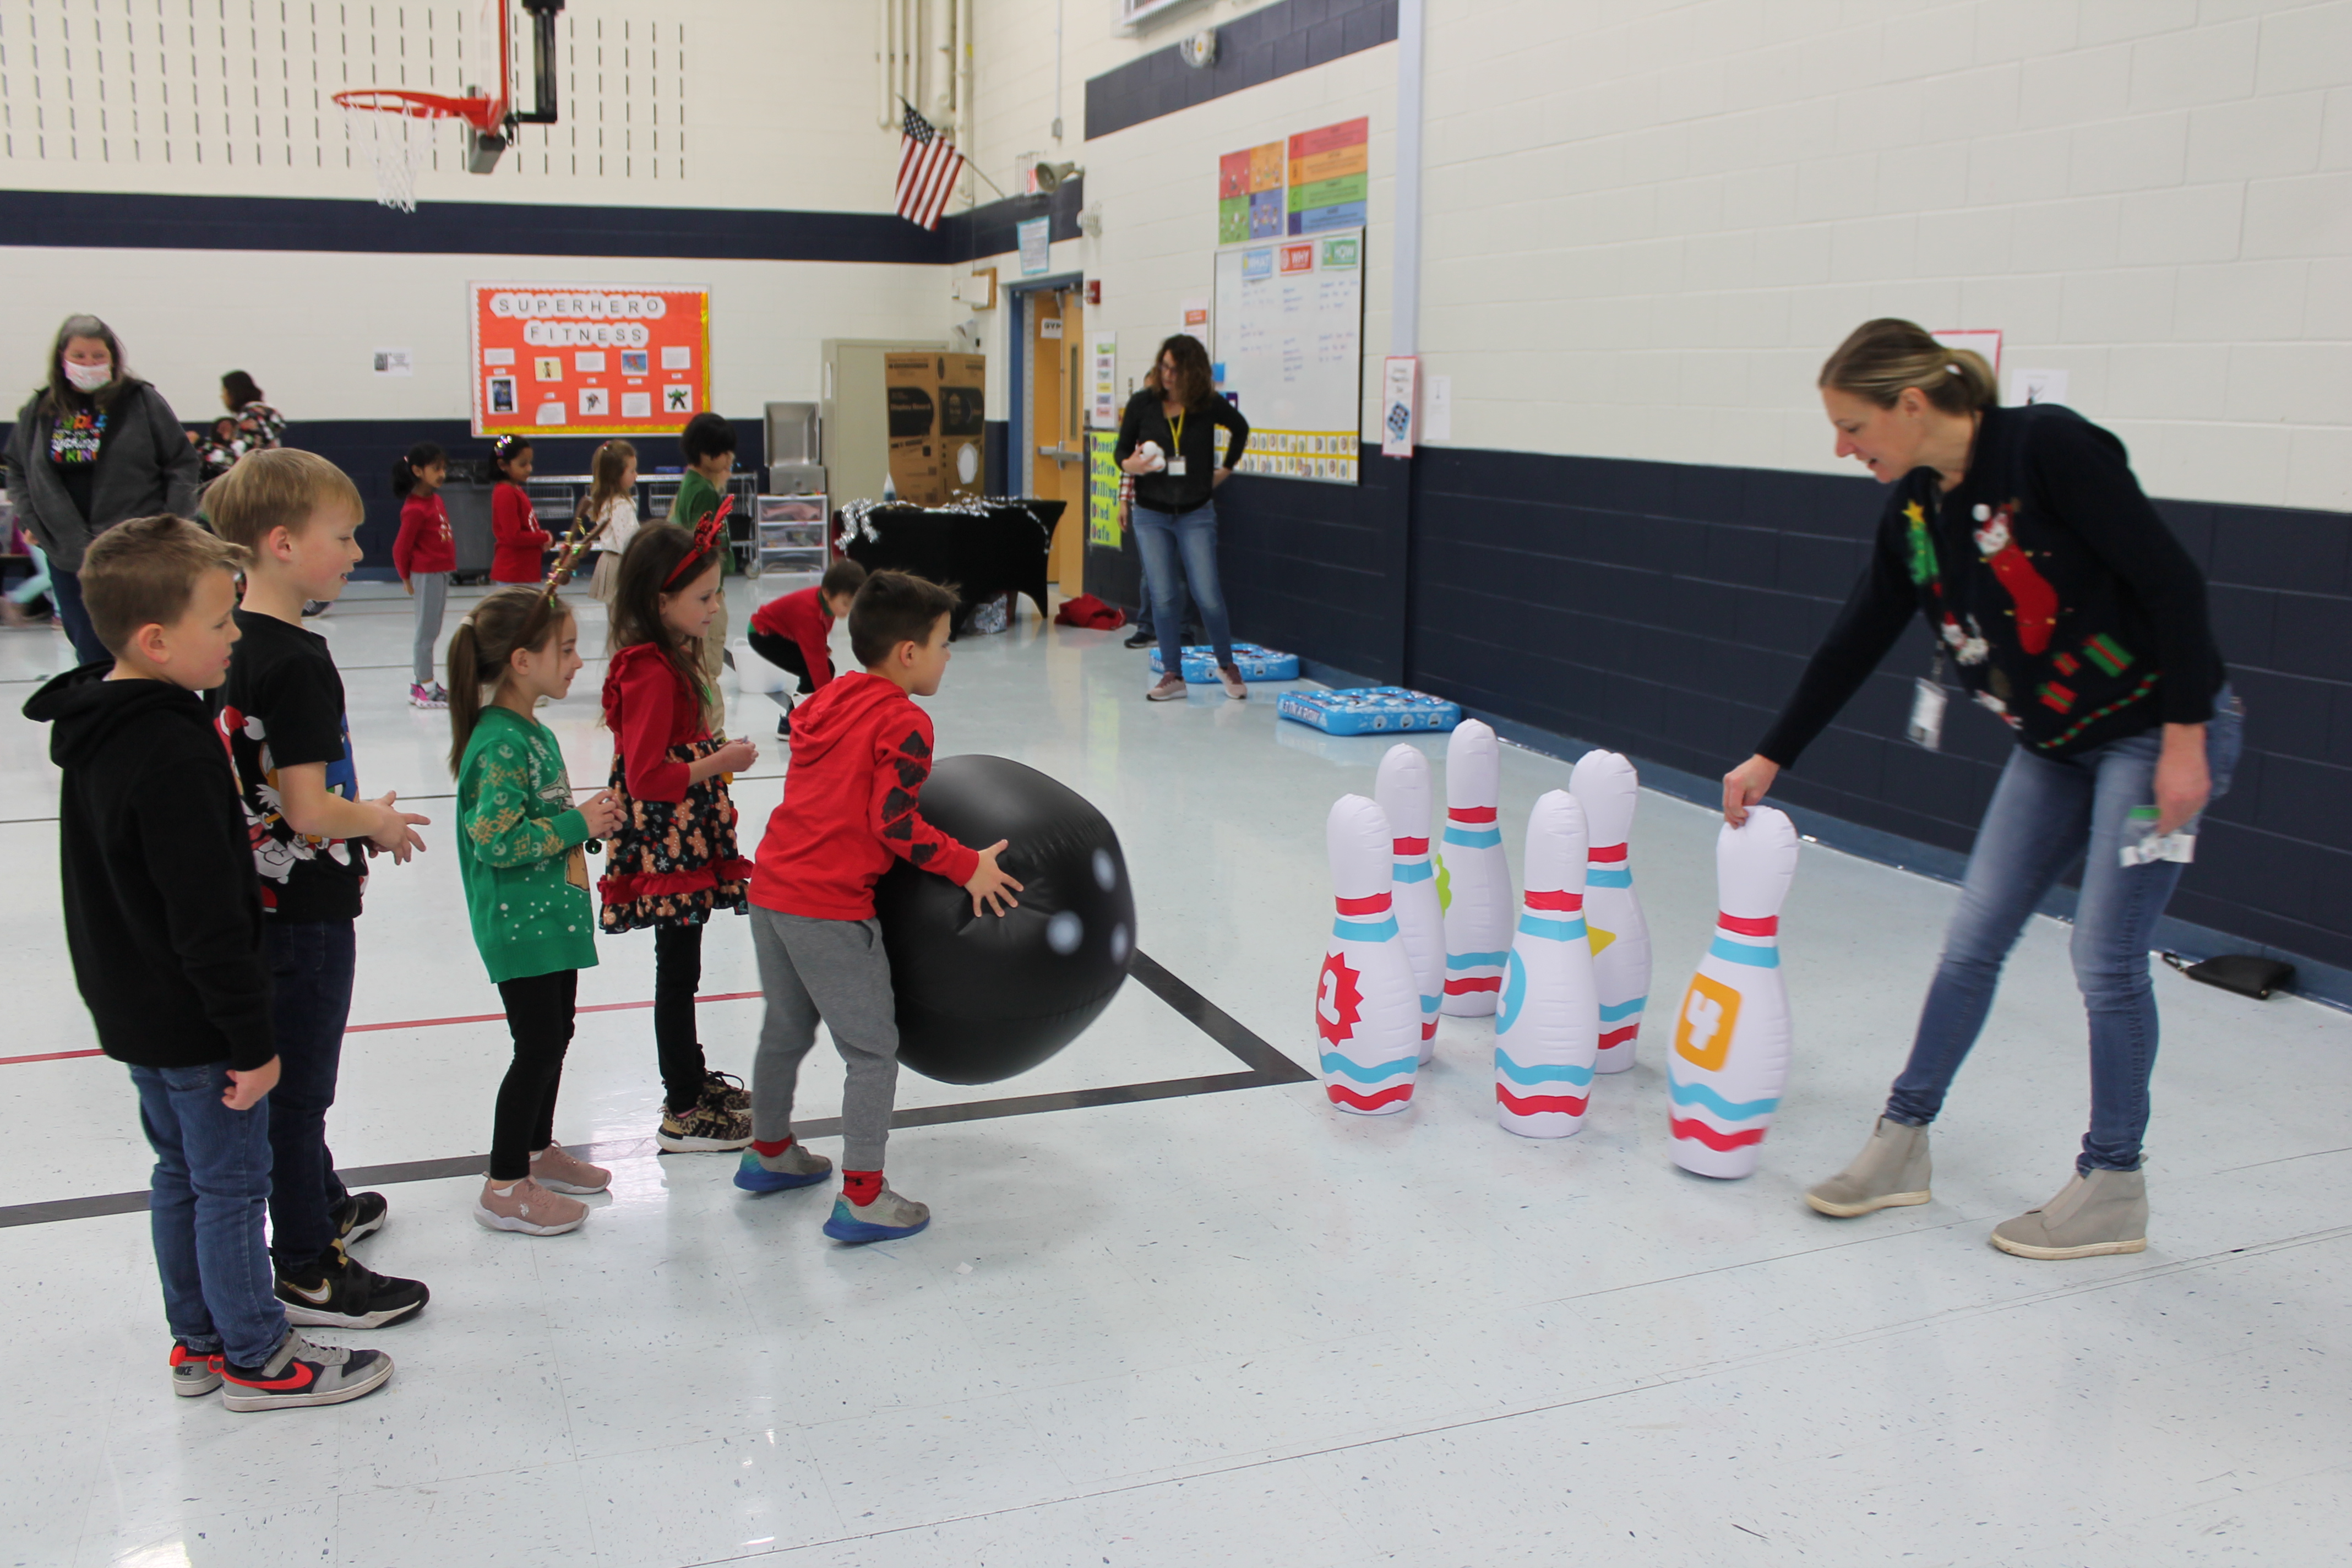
x=153 y=222
x=1269 y=43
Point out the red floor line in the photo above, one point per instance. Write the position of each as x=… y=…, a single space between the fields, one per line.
x=419 y=1024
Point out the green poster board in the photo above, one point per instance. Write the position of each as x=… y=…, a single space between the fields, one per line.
x=1102 y=490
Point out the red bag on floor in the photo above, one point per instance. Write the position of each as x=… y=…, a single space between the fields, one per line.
x=1090 y=613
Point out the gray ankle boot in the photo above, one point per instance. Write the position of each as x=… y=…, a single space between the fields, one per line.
x=1890 y=1171
x=2098 y=1213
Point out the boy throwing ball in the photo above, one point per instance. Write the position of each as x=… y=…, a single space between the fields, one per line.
x=861 y=751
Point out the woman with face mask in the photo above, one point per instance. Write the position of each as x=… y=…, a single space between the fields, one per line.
x=93 y=448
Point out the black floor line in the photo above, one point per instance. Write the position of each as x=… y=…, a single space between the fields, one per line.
x=1268 y=1067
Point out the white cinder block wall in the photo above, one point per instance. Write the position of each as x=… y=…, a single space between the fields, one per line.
x=1646 y=222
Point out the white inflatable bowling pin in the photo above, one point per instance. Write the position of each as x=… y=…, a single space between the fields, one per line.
x=1548 y=1026
x=1367 y=1008
x=1403 y=792
x=1730 y=1054
x=1474 y=879
x=1605 y=784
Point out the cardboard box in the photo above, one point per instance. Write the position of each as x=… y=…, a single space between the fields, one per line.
x=938 y=426
x=963 y=425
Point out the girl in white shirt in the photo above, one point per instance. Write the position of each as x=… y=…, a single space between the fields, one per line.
x=611 y=510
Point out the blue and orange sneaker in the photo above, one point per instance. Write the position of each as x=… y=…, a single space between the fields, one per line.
x=795 y=1167
x=195 y=1374
x=886 y=1218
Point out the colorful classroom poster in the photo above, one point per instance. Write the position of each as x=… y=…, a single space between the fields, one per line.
x=1249 y=194
x=1102 y=490
x=1331 y=175
x=588 y=348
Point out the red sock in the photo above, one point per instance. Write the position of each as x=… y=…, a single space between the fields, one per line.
x=861 y=1187
x=770 y=1150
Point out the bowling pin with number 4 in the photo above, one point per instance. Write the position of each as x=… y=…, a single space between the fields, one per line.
x=1729 y=1059
x=1474 y=877
x=1404 y=793
x=1605 y=784
x=1367 y=1008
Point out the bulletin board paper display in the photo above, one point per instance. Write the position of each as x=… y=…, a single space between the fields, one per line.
x=589 y=359
x=1102 y=489
x=1290 y=353
x=1314 y=183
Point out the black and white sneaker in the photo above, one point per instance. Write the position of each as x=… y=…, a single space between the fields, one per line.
x=343 y=1293
x=361 y=1214
x=302 y=1374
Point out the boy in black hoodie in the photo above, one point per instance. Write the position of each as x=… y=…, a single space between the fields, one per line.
x=163 y=920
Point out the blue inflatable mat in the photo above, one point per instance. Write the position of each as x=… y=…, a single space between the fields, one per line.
x=1368 y=711
x=1255 y=663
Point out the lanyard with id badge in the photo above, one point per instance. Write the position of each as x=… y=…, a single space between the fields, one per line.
x=1175 y=469
x=1929 y=699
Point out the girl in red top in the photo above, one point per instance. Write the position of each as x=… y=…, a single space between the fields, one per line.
x=674 y=861
x=424 y=553
x=522 y=544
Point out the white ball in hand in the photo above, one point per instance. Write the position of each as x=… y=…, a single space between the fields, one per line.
x=1151 y=449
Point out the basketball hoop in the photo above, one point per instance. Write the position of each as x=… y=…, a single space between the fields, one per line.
x=397 y=138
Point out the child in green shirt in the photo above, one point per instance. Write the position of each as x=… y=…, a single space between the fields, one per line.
x=520 y=853
x=707 y=443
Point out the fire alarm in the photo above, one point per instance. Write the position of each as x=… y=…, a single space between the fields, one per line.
x=1094 y=290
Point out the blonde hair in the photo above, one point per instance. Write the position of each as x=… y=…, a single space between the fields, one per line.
x=279 y=487
x=144 y=572
x=604 y=470
x=1880 y=358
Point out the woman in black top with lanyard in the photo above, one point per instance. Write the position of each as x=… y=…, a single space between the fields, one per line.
x=1178 y=411
x=2061 y=601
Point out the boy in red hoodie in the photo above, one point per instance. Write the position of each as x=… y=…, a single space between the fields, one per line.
x=790 y=630
x=861 y=749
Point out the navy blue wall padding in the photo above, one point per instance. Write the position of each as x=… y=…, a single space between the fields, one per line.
x=1665 y=610
x=1266 y=44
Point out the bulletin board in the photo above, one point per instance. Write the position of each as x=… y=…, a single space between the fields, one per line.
x=589 y=359
x=1289 y=352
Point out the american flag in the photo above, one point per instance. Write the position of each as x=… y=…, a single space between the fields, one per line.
x=928 y=166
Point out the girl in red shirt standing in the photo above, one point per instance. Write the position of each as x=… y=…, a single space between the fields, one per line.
x=425 y=552
x=674 y=861
x=521 y=543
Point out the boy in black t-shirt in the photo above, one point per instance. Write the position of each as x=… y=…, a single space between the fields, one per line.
x=167 y=938
x=282 y=711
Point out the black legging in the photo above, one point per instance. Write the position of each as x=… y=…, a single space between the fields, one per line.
x=678 y=973
x=783 y=653
x=539 y=1017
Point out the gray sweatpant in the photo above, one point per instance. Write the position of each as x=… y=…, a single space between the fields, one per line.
x=432 y=598
x=836 y=970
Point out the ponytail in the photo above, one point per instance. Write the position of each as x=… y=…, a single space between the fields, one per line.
x=508 y=620
x=1879 y=359
x=424 y=455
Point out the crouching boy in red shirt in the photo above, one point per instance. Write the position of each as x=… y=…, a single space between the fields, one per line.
x=861 y=749
x=790 y=631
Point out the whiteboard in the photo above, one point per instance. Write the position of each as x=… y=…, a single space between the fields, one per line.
x=1289 y=352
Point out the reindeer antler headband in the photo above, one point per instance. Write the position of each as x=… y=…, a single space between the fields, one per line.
x=708 y=534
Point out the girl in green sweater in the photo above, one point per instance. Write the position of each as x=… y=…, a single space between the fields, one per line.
x=520 y=852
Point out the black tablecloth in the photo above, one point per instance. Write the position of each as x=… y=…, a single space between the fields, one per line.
x=983 y=548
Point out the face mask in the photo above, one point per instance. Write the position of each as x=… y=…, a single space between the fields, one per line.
x=88 y=377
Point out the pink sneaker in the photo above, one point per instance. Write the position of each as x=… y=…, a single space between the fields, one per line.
x=1170 y=690
x=559 y=1171
x=527 y=1207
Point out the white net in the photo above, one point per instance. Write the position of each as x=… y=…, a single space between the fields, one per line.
x=396 y=142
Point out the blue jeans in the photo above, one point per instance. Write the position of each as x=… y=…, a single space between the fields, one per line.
x=204 y=1206
x=2045 y=814
x=311 y=965
x=65 y=589
x=1180 y=548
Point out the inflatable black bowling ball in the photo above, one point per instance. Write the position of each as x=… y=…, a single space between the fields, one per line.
x=981 y=999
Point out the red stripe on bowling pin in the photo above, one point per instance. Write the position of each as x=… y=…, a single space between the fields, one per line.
x=1411 y=847
x=1718 y=1142
x=1463 y=987
x=1377 y=904
x=1472 y=815
x=1567 y=903
x=1619 y=1036
x=1605 y=854
x=1374 y=1101
x=1540 y=1104
x=1738 y=925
